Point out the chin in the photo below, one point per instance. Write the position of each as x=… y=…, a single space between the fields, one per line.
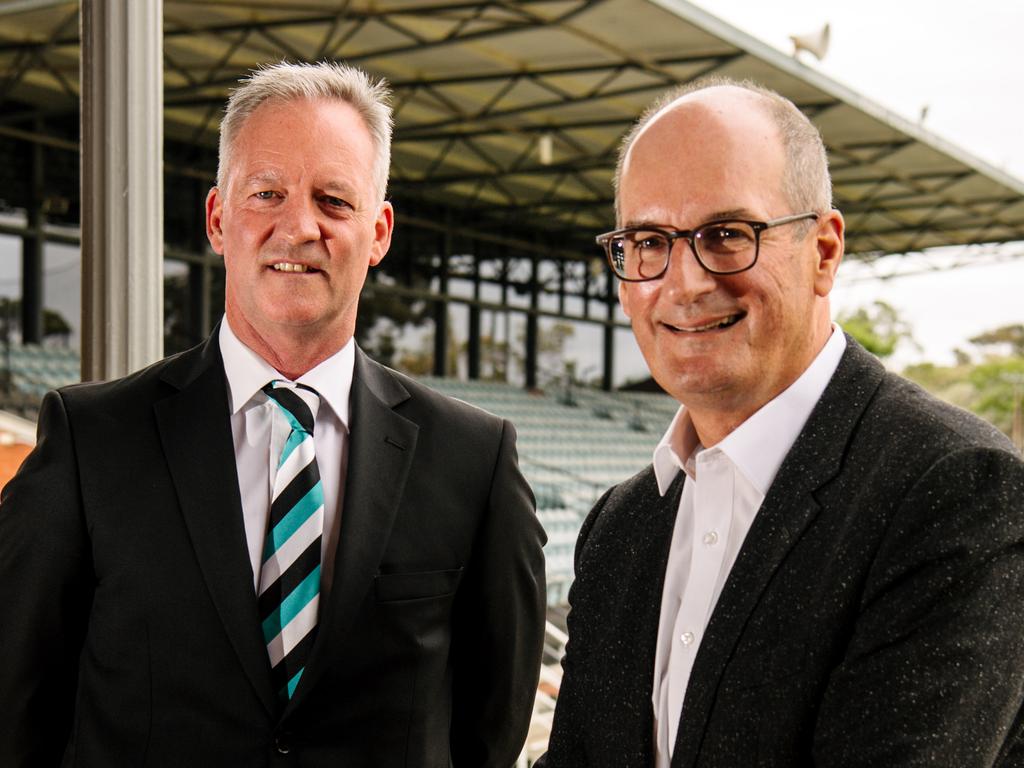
x=694 y=382
x=292 y=313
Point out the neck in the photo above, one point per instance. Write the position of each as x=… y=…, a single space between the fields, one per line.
x=291 y=351
x=716 y=418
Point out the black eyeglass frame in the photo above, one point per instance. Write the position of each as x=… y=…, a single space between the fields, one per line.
x=605 y=240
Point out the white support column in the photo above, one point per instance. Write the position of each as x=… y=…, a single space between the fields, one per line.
x=122 y=186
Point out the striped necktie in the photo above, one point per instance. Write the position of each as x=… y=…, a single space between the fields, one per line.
x=289 y=592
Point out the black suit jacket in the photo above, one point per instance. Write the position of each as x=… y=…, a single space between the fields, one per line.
x=874 y=615
x=130 y=633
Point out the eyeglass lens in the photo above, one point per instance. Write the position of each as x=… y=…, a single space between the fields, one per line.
x=724 y=246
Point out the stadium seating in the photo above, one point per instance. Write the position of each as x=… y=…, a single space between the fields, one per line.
x=572 y=447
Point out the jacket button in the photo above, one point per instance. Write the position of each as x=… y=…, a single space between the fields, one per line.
x=282 y=745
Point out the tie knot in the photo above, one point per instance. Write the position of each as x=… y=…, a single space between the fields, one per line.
x=288 y=400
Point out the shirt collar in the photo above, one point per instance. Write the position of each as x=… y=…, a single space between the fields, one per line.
x=676 y=449
x=758 y=446
x=247 y=373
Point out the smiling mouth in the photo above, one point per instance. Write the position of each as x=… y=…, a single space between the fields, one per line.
x=290 y=267
x=724 y=322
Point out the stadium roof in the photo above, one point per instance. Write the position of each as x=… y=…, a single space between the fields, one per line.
x=513 y=111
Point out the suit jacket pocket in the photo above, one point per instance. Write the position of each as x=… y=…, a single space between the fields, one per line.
x=395 y=587
x=755 y=668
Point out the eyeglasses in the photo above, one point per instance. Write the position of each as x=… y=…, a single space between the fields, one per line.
x=722 y=247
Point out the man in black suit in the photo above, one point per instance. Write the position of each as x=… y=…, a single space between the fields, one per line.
x=270 y=550
x=823 y=565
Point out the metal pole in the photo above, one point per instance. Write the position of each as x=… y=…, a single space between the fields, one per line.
x=607 y=380
x=441 y=307
x=32 y=253
x=532 y=329
x=473 y=349
x=122 y=186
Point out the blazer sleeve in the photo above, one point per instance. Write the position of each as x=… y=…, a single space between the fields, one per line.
x=498 y=631
x=934 y=671
x=46 y=587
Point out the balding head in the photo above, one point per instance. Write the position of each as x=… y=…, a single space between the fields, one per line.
x=805 y=177
x=726 y=342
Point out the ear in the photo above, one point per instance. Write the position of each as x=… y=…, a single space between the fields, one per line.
x=383 y=228
x=624 y=299
x=214 y=211
x=829 y=246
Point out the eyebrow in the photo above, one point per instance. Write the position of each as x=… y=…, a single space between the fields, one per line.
x=732 y=213
x=261 y=177
x=332 y=187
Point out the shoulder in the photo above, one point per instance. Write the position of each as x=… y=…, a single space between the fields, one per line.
x=906 y=413
x=885 y=442
x=639 y=491
x=623 y=509
x=884 y=413
x=423 y=403
x=138 y=389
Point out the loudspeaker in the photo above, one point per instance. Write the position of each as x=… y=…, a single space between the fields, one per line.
x=815 y=43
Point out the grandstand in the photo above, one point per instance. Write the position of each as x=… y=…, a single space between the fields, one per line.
x=35 y=369
x=573 y=445
x=483 y=212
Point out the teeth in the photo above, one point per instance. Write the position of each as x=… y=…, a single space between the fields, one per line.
x=710 y=326
x=288 y=267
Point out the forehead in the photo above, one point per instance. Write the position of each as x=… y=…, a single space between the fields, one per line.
x=281 y=133
x=708 y=152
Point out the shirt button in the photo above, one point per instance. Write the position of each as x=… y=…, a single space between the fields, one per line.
x=686 y=638
x=710 y=538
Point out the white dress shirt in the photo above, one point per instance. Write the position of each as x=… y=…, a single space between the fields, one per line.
x=260 y=429
x=725 y=486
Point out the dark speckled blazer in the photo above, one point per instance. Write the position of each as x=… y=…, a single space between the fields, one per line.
x=874 y=615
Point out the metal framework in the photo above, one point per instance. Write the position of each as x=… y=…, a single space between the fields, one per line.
x=508 y=118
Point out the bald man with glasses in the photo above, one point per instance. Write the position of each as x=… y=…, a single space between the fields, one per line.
x=823 y=565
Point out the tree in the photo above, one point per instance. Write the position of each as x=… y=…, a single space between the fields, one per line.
x=1011 y=335
x=999 y=386
x=385 y=317
x=992 y=388
x=878 y=328
x=54 y=324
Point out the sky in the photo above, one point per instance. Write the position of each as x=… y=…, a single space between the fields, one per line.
x=964 y=61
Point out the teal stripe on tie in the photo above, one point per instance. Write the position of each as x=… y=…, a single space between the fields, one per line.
x=292 y=421
x=290 y=523
x=290 y=607
x=295 y=438
x=294 y=682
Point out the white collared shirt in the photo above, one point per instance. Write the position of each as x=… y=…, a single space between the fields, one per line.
x=724 y=489
x=260 y=429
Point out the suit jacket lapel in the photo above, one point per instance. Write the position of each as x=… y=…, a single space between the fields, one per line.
x=787 y=510
x=381 y=448
x=654 y=545
x=195 y=430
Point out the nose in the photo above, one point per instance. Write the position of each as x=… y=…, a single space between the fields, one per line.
x=299 y=223
x=686 y=280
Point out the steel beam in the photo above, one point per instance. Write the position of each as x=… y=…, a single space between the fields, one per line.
x=122 y=186
x=32 y=254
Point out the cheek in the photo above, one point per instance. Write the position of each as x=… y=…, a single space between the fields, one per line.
x=637 y=299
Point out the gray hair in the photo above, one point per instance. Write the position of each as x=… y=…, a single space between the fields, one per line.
x=325 y=80
x=805 y=183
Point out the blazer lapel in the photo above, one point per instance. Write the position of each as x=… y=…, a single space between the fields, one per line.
x=381 y=448
x=195 y=430
x=637 y=687
x=788 y=509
